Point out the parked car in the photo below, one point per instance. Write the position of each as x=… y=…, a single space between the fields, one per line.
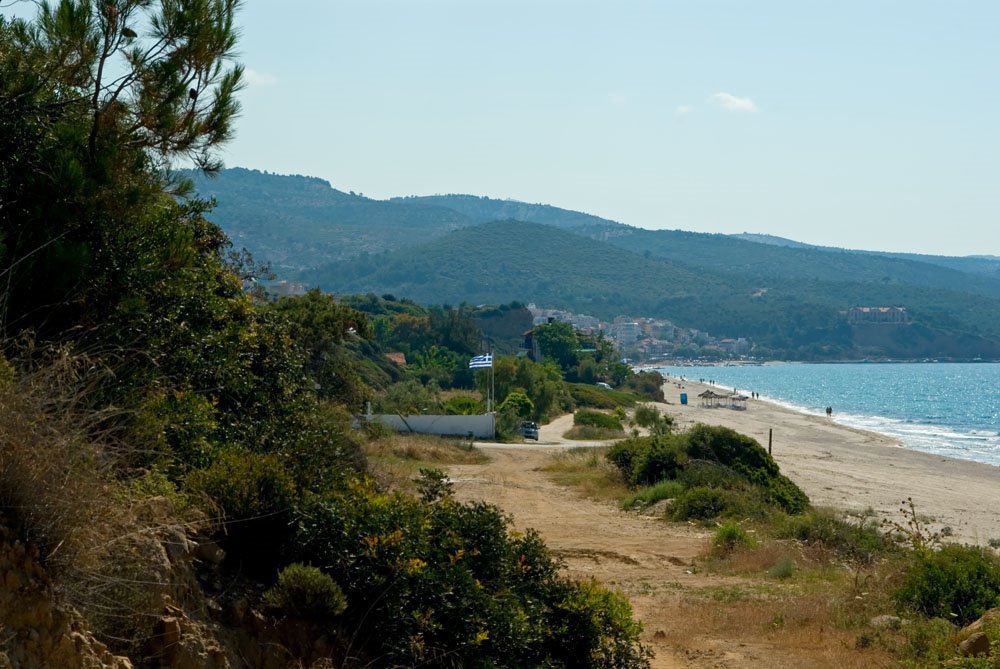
x=529 y=430
x=602 y=384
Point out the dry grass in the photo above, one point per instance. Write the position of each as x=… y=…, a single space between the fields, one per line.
x=59 y=492
x=795 y=627
x=799 y=600
x=792 y=603
x=592 y=433
x=396 y=459
x=586 y=470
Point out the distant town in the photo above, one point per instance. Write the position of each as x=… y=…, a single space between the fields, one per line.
x=647 y=339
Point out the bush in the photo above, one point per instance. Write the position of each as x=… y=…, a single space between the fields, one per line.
x=598 y=625
x=653 y=494
x=590 y=433
x=664 y=459
x=593 y=397
x=957 y=583
x=649 y=417
x=860 y=542
x=648 y=384
x=597 y=419
x=463 y=405
x=471 y=593
x=306 y=592
x=256 y=495
x=702 y=473
x=626 y=453
x=749 y=460
x=702 y=503
x=729 y=535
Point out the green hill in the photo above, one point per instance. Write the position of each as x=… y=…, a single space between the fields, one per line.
x=988 y=265
x=297 y=222
x=754 y=261
x=510 y=260
x=791 y=298
x=484 y=210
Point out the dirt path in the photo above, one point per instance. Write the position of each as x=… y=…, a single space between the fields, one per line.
x=648 y=560
x=634 y=553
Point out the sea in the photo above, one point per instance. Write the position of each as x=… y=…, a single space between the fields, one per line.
x=950 y=409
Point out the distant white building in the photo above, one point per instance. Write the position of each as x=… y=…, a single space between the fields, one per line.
x=626 y=333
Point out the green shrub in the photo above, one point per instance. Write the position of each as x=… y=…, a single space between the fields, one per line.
x=860 y=542
x=448 y=584
x=653 y=494
x=956 y=582
x=932 y=642
x=749 y=460
x=599 y=625
x=664 y=459
x=702 y=503
x=518 y=403
x=729 y=535
x=649 y=417
x=730 y=448
x=648 y=384
x=707 y=474
x=592 y=397
x=590 y=433
x=306 y=592
x=626 y=453
x=782 y=569
x=783 y=491
x=597 y=419
x=463 y=405
x=256 y=496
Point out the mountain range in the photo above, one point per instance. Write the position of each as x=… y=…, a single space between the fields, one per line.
x=791 y=299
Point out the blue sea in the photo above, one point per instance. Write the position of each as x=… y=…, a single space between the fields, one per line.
x=950 y=409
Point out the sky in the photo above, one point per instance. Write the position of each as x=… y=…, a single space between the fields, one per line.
x=868 y=124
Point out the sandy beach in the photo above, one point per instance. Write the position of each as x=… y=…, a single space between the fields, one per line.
x=854 y=470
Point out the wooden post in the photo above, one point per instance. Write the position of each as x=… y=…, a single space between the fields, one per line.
x=770 y=433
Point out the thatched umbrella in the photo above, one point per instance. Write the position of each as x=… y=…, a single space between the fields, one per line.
x=708 y=398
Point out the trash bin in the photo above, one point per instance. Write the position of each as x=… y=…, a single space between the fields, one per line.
x=684 y=398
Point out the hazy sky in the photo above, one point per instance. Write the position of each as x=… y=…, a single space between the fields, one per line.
x=858 y=123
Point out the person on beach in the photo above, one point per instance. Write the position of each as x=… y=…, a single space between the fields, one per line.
x=829 y=412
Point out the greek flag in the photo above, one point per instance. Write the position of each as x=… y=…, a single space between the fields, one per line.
x=481 y=361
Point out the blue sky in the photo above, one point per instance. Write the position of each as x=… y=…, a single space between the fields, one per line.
x=865 y=124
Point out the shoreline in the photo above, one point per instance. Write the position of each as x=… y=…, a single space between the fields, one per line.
x=854 y=470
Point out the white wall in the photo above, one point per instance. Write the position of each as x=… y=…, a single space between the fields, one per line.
x=482 y=426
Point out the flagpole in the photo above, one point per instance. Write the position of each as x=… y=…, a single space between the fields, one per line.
x=492 y=387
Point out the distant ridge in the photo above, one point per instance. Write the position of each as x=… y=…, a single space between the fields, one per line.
x=501 y=261
x=484 y=209
x=297 y=222
x=979 y=264
x=791 y=298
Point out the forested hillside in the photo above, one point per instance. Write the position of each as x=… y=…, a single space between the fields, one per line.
x=988 y=265
x=296 y=222
x=790 y=298
x=484 y=209
x=751 y=261
x=797 y=318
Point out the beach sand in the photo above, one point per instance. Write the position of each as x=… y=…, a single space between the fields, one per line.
x=855 y=470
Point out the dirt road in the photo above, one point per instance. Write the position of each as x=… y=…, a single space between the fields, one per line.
x=650 y=561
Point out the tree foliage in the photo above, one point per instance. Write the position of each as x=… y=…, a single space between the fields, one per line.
x=193 y=389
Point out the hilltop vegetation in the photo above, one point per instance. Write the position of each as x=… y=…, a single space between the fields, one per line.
x=786 y=317
x=790 y=299
x=297 y=222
